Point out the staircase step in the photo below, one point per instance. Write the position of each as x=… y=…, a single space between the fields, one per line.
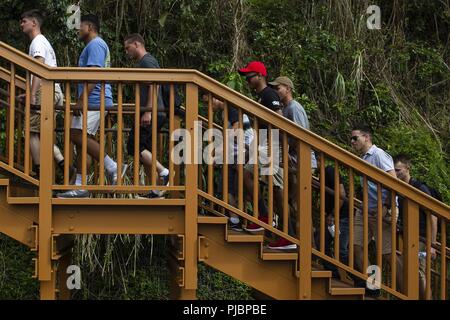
x=321 y=274
x=23 y=200
x=271 y=255
x=339 y=288
x=212 y=220
x=236 y=236
x=4 y=182
x=347 y=291
x=117 y=202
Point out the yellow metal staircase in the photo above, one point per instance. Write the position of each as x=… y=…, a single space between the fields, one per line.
x=194 y=211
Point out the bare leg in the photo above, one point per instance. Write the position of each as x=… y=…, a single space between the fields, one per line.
x=147 y=158
x=35 y=148
x=93 y=147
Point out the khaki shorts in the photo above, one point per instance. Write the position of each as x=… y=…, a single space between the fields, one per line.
x=277 y=174
x=264 y=169
x=386 y=241
x=35 y=116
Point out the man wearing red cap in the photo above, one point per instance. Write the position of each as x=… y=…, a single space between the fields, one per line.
x=256 y=75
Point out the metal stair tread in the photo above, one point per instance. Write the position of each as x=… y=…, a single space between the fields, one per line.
x=271 y=255
x=117 y=201
x=212 y=220
x=236 y=236
x=341 y=288
x=23 y=200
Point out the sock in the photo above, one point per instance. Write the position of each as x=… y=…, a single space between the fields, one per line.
x=234 y=220
x=110 y=164
x=164 y=172
x=78 y=180
x=57 y=154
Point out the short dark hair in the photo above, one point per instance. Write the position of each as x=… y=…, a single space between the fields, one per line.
x=363 y=128
x=93 y=20
x=403 y=158
x=35 y=14
x=135 y=37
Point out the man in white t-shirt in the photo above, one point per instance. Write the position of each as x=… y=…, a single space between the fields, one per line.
x=40 y=49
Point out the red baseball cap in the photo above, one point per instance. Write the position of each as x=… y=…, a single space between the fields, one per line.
x=254 y=66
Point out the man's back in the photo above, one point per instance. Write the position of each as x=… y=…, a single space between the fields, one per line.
x=41 y=47
x=149 y=61
x=295 y=112
x=96 y=54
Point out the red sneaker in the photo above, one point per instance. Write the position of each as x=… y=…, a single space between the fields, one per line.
x=253 y=227
x=282 y=244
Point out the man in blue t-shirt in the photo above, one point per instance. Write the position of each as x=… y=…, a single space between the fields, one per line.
x=96 y=55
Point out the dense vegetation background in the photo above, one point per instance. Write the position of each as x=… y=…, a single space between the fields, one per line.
x=396 y=79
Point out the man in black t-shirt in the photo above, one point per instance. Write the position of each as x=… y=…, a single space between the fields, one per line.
x=402 y=165
x=256 y=75
x=135 y=49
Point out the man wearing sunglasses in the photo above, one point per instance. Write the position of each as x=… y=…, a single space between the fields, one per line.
x=361 y=141
x=256 y=75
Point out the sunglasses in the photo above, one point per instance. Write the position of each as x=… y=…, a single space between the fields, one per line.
x=249 y=77
x=355 y=138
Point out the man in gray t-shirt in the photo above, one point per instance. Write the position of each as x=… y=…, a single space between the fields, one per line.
x=135 y=49
x=294 y=111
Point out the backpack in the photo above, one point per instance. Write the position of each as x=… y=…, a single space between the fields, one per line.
x=434 y=193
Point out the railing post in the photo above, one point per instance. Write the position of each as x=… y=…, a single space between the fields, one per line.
x=191 y=207
x=305 y=219
x=411 y=250
x=45 y=189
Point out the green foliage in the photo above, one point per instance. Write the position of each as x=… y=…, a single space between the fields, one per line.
x=218 y=286
x=16 y=269
x=429 y=163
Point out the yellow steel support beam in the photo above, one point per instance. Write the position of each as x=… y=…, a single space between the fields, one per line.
x=305 y=222
x=45 y=192
x=191 y=191
x=411 y=250
x=118 y=220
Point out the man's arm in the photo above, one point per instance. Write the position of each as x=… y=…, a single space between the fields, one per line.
x=80 y=101
x=147 y=116
x=36 y=84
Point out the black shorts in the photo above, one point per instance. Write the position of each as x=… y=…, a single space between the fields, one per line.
x=145 y=136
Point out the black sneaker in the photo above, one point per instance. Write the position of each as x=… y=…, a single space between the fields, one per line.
x=235 y=226
x=151 y=195
x=373 y=293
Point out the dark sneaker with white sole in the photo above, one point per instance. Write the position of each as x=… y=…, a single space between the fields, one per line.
x=235 y=226
x=71 y=194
